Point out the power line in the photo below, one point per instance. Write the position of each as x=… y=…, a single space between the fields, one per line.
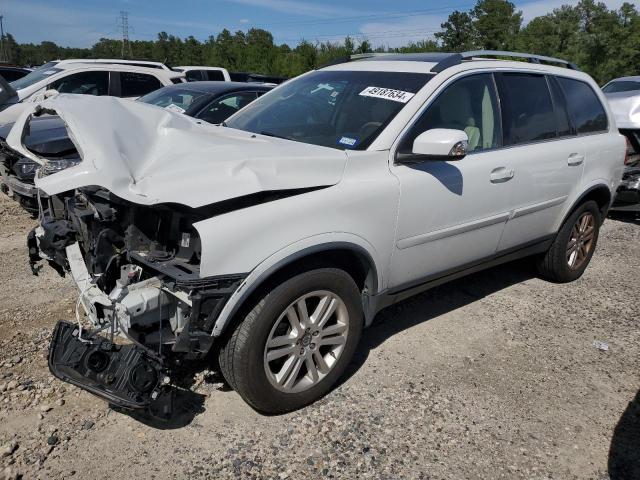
x=123 y=24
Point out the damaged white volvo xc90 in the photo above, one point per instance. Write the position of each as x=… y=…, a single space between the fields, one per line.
x=270 y=242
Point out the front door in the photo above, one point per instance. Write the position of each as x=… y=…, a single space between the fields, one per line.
x=452 y=213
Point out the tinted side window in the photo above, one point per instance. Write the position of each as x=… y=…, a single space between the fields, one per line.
x=527 y=111
x=468 y=104
x=11 y=75
x=194 y=76
x=560 y=106
x=137 y=84
x=221 y=109
x=215 y=75
x=86 y=83
x=585 y=108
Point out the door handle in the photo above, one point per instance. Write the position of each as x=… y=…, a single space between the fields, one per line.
x=575 y=159
x=501 y=174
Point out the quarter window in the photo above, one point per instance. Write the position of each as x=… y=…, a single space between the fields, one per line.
x=85 y=83
x=527 y=110
x=560 y=107
x=469 y=104
x=137 y=84
x=585 y=108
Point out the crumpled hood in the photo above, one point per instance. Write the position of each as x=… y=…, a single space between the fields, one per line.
x=626 y=108
x=149 y=155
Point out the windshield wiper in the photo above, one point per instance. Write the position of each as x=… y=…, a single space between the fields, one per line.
x=269 y=134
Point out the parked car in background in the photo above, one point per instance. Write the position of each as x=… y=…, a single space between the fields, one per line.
x=13 y=73
x=256 y=77
x=200 y=74
x=273 y=240
x=118 y=61
x=212 y=102
x=623 y=95
x=93 y=78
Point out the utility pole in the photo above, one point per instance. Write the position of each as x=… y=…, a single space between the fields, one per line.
x=3 y=47
x=123 y=25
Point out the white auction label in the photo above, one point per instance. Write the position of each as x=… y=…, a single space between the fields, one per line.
x=387 y=94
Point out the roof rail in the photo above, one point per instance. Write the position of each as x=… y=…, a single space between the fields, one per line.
x=530 y=57
x=446 y=60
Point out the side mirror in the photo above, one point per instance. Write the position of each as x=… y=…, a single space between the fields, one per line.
x=50 y=93
x=437 y=144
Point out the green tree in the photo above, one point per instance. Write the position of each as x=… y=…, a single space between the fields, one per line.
x=496 y=24
x=458 y=32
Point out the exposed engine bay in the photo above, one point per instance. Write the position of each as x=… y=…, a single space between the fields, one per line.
x=138 y=271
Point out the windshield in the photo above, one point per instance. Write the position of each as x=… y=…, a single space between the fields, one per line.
x=177 y=99
x=338 y=109
x=621 y=86
x=38 y=74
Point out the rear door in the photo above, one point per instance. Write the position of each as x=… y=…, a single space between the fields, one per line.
x=544 y=153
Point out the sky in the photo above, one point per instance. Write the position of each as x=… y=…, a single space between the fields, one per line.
x=80 y=23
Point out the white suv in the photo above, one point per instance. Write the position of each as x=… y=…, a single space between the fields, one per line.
x=271 y=241
x=87 y=77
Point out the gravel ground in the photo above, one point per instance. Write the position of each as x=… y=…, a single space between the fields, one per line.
x=492 y=376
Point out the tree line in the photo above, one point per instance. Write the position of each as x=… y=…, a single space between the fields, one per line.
x=601 y=41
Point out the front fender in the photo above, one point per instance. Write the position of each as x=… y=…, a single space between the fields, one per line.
x=290 y=254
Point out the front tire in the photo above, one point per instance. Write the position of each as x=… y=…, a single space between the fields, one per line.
x=571 y=251
x=296 y=342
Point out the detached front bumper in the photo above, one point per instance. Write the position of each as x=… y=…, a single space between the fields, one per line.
x=123 y=375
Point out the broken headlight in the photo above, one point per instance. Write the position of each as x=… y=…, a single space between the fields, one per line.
x=56 y=165
x=25 y=169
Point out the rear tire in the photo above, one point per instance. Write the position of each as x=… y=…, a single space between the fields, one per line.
x=573 y=247
x=318 y=349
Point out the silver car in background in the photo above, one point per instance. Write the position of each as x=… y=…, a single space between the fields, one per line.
x=623 y=95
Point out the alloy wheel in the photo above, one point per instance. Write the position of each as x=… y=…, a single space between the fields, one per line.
x=581 y=240
x=306 y=341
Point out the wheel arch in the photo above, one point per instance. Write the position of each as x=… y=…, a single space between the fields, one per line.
x=353 y=258
x=599 y=193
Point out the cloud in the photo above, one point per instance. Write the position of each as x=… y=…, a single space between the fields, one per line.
x=295 y=7
x=244 y=20
x=401 y=32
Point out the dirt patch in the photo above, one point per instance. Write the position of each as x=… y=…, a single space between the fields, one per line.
x=492 y=376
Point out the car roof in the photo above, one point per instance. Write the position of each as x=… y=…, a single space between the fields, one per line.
x=120 y=67
x=198 y=67
x=633 y=78
x=218 y=87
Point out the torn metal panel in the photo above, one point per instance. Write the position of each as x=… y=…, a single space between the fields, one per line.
x=149 y=155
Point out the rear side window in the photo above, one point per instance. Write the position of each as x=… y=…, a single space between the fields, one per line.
x=84 y=83
x=527 y=110
x=194 y=76
x=585 y=108
x=215 y=75
x=137 y=84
